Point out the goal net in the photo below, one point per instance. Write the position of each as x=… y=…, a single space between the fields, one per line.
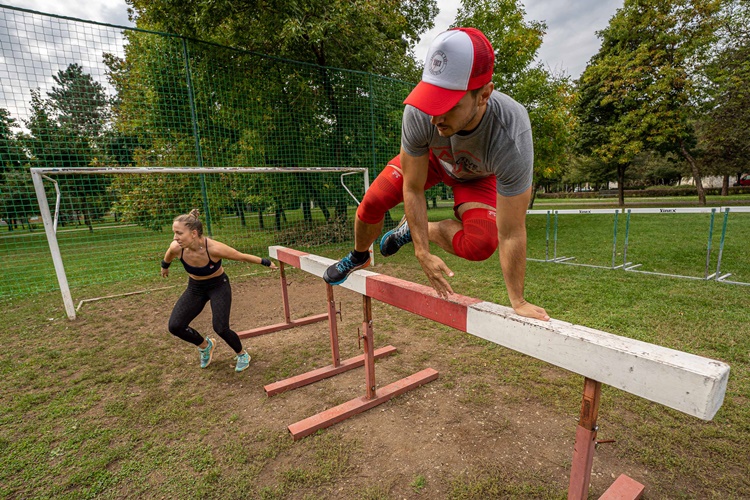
x=113 y=225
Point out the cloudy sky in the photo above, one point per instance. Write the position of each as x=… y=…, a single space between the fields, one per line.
x=569 y=44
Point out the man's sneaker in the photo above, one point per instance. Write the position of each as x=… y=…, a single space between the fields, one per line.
x=243 y=361
x=338 y=272
x=207 y=353
x=395 y=238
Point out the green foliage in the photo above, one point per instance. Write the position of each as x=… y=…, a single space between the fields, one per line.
x=515 y=40
x=639 y=92
x=547 y=97
x=373 y=35
x=67 y=129
x=723 y=134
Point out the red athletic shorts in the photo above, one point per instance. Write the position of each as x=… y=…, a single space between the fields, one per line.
x=478 y=190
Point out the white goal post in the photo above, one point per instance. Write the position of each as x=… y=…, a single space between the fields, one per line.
x=50 y=220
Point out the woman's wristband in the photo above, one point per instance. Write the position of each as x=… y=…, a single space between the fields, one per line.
x=265 y=262
x=165 y=264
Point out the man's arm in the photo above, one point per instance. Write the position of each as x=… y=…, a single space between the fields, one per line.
x=511 y=231
x=415 y=170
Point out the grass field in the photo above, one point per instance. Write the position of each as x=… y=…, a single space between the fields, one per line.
x=664 y=243
x=90 y=411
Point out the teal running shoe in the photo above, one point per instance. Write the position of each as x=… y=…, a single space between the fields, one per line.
x=338 y=272
x=243 y=361
x=207 y=353
x=395 y=238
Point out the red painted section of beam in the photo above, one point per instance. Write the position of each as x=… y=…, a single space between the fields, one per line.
x=421 y=300
x=290 y=256
x=255 y=332
x=336 y=414
x=624 y=488
x=325 y=372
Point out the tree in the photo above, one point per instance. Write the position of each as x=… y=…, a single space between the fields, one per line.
x=255 y=110
x=643 y=81
x=723 y=133
x=16 y=190
x=639 y=92
x=67 y=129
x=514 y=40
x=364 y=35
x=547 y=97
x=11 y=153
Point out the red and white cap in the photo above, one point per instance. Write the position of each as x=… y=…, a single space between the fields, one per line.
x=459 y=60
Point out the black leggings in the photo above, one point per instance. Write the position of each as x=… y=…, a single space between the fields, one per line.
x=192 y=302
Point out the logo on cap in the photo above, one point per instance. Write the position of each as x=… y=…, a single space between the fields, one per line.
x=438 y=62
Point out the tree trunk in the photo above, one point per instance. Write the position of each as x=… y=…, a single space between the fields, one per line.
x=340 y=210
x=278 y=219
x=725 y=186
x=260 y=219
x=87 y=215
x=306 y=211
x=326 y=213
x=696 y=174
x=241 y=212
x=621 y=185
x=534 y=189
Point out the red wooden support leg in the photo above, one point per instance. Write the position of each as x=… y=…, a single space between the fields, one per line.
x=288 y=321
x=369 y=341
x=284 y=293
x=333 y=326
x=583 y=455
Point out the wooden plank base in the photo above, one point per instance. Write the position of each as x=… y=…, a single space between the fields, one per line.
x=624 y=488
x=343 y=411
x=325 y=372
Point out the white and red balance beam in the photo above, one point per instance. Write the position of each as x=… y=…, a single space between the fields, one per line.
x=691 y=384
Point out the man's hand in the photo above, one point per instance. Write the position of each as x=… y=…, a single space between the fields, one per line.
x=164 y=272
x=529 y=310
x=434 y=267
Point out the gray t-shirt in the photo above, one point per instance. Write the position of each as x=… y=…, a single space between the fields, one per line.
x=500 y=145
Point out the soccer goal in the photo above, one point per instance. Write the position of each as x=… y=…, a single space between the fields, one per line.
x=113 y=225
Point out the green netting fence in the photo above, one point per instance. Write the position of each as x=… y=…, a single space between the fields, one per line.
x=84 y=95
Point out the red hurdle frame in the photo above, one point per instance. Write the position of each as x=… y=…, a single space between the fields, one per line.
x=288 y=321
x=373 y=396
x=420 y=300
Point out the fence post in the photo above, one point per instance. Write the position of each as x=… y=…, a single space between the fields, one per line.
x=708 y=245
x=721 y=244
x=625 y=249
x=196 y=135
x=614 y=242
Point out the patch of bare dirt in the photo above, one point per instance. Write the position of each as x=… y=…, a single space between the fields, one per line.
x=464 y=423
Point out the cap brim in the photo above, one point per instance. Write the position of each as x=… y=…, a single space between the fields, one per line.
x=432 y=99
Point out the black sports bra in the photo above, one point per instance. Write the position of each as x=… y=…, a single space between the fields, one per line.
x=206 y=270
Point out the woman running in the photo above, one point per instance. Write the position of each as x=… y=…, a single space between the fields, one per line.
x=207 y=282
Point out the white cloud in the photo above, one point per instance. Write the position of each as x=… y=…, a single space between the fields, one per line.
x=103 y=11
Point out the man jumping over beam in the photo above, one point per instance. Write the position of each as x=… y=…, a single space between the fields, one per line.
x=458 y=130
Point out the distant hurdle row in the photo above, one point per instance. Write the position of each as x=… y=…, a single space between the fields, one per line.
x=552 y=226
x=685 y=382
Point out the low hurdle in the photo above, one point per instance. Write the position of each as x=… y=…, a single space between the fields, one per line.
x=552 y=226
x=685 y=382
